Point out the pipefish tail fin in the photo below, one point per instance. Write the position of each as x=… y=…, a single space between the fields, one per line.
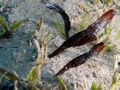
x=82 y=58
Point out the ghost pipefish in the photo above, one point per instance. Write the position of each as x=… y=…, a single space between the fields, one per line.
x=76 y=39
x=65 y=17
x=82 y=58
x=84 y=40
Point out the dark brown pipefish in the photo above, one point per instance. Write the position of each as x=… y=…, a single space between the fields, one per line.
x=65 y=17
x=82 y=58
x=87 y=35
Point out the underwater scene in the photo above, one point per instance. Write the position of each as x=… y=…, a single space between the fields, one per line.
x=59 y=44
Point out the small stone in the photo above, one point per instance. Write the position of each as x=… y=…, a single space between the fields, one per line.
x=94 y=75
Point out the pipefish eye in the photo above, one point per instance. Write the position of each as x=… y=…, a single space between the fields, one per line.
x=52 y=6
x=49 y=5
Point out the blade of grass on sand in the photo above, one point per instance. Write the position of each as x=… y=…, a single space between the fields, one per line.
x=4 y=24
x=9 y=75
x=39 y=24
x=115 y=86
x=59 y=27
x=32 y=76
x=61 y=83
x=94 y=86
x=16 y=24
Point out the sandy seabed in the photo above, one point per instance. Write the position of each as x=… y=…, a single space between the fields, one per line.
x=17 y=55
